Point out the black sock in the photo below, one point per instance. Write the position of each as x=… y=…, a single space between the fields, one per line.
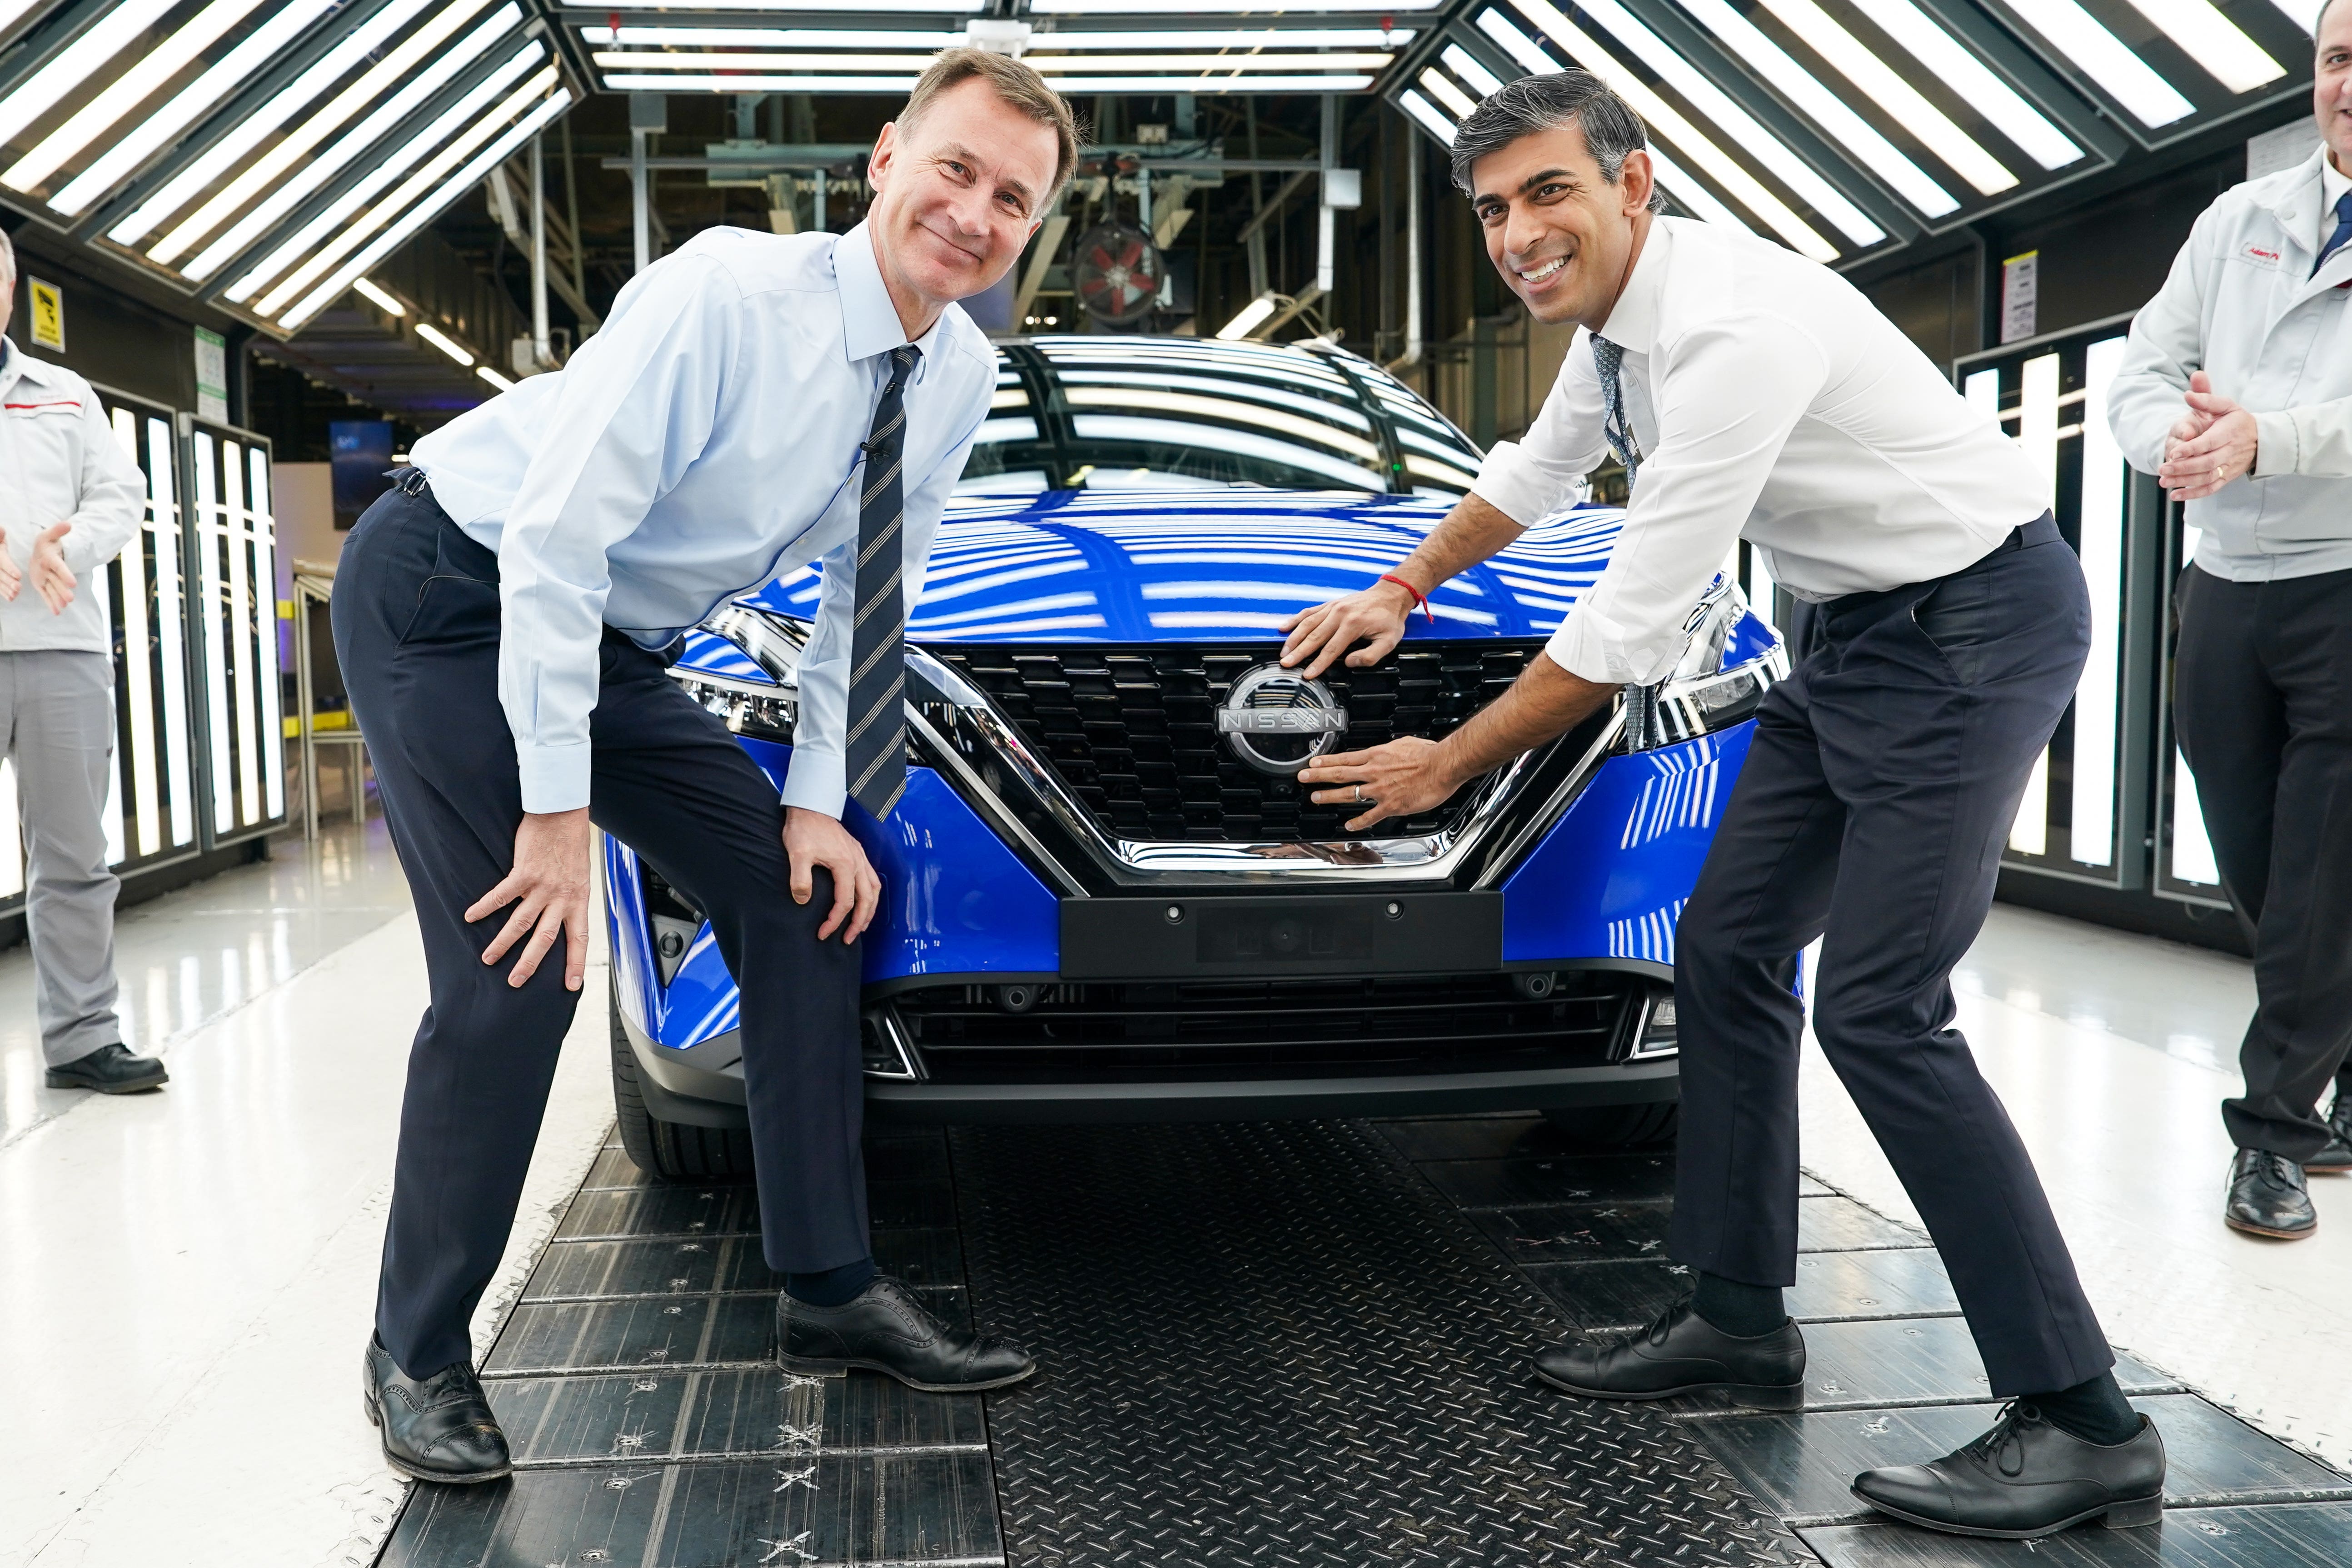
x=2096 y=1411
x=1744 y=1310
x=831 y=1287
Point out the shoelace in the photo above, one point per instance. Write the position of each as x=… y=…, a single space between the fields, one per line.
x=1997 y=1445
x=1655 y=1333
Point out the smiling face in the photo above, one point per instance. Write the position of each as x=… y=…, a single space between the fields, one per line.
x=957 y=196
x=2331 y=92
x=1562 y=236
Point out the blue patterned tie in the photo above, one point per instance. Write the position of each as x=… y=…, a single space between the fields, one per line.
x=1615 y=429
x=2343 y=232
x=875 y=752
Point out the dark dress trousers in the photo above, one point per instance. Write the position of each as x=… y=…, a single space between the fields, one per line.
x=1880 y=788
x=2262 y=703
x=416 y=629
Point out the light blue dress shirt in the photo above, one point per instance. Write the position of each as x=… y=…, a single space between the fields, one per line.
x=699 y=446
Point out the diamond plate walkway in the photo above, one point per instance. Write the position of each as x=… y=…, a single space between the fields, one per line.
x=1296 y=1345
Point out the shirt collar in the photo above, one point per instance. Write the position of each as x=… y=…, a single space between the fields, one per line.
x=869 y=322
x=2332 y=185
x=1633 y=323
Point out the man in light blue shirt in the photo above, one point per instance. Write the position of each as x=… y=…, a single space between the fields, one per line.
x=754 y=403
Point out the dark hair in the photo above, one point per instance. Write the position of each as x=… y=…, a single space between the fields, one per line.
x=1534 y=104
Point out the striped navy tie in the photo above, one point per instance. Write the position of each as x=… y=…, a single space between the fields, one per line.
x=1615 y=427
x=876 y=750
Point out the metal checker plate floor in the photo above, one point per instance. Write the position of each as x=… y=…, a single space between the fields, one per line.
x=1299 y=1346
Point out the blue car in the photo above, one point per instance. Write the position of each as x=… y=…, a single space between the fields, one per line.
x=1106 y=896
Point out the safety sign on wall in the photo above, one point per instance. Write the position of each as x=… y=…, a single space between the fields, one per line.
x=211 y=376
x=48 y=315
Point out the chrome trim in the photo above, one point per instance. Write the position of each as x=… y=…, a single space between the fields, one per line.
x=886 y=1020
x=1603 y=745
x=1635 y=1053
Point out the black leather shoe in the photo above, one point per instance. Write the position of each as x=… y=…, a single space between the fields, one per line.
x=885 y=1329
x=438 y=1428
x=111 y=1069
x=1682 y=1353
x=2268 y=1197
x=2025 y=1477
x=2336 y=1158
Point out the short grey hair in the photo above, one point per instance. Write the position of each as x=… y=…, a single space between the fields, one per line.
x=1534 y=104
x=7 y=255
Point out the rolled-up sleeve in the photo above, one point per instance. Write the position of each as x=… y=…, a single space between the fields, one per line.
x=1728 y=396
x=2166 y=344
x=112 y=495
x=1529 y=480
x=637 y=405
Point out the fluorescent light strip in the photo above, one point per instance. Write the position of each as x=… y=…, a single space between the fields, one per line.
x=1849 y=130
x=2213 y=41
x=237 y=534
x=642 y=60
x=1667 y=122
x=108 y=172
x=2001 y=105
x=2304 y=14
x=216 y=158
x=265 y=564
x=457 y=185
x=1237 y=39
x=445 y=343
x=39 y=93
x=1180 y=7
x=2103 y=56
x=383 y=301
x=386 y=170
x=771 y=38
x=1465 y=64
x=1899 y=97
x=1704 y=95
x=126 y=93
x=1442 y=88
x=2037 y=433
x=494 y=378
x=1693 y=197
x=1432 y=120
x=633 y=82
x=879 y=7
x=138 y=673
x=1049 y=65
x=2102 y=550
x=304 y=174
x=1239 y=82
x=214 y=595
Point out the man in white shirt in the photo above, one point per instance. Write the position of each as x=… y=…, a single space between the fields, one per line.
x=1752 y=394
x=752 y=404
x=73 y=499
x=2236 y=391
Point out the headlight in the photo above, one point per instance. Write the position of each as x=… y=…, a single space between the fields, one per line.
x=773 y=643
x=1701 y=695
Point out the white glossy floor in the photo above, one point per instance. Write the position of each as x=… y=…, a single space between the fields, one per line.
x=185 y=1278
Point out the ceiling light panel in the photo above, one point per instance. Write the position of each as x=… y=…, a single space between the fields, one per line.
x=1945 y=60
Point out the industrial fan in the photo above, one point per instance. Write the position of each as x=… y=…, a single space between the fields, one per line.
x=1117 y=273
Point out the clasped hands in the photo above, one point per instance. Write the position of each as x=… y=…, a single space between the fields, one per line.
x=2214 y=443
x=52 y=578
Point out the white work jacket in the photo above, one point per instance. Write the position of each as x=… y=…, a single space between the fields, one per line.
x=59 y=462
x=2242 y=305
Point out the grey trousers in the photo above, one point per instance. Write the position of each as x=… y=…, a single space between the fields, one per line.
x=56 y=724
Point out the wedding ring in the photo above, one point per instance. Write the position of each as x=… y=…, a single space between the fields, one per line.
x=1360 y=794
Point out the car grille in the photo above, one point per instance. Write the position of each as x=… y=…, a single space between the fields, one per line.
x=1106 y=1032
x=1131 y=730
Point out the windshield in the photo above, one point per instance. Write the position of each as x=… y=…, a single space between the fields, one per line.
x=1131 y=412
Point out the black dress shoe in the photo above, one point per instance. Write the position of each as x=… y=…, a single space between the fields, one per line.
x=884 y=1329
x=2268 y=1197
x=1682 y=1353
x=437 y=1429
x=111 y=1069
x=2025 y=1477
x=2336 y=1158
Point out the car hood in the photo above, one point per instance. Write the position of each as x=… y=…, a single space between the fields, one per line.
x=1130 y=566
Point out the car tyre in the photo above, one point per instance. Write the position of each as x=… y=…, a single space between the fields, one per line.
x=671 y=1150
x=1619 y=1126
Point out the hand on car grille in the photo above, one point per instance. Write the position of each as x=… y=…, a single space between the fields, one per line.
x=1131 y=730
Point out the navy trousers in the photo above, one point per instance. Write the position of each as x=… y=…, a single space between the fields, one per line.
x=1879 y=790
x=416 y=629
x=2261 y=701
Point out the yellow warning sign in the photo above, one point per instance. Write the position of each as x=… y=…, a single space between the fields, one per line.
x=48 y=315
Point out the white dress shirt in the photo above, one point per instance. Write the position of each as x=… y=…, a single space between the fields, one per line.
x=699 y=446
x=2242 y=304
x=61 y=464
x=1772 y=402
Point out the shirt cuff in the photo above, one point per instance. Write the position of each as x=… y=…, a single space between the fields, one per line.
x=1509 y=481
x=816 y=781
x=1585 y=647
x=554 y=777
x=2276 y=448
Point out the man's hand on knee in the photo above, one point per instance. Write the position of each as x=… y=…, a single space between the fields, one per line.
x=549 y=889
x=813 y=839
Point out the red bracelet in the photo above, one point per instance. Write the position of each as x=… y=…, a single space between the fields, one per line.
x=1420 y=597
